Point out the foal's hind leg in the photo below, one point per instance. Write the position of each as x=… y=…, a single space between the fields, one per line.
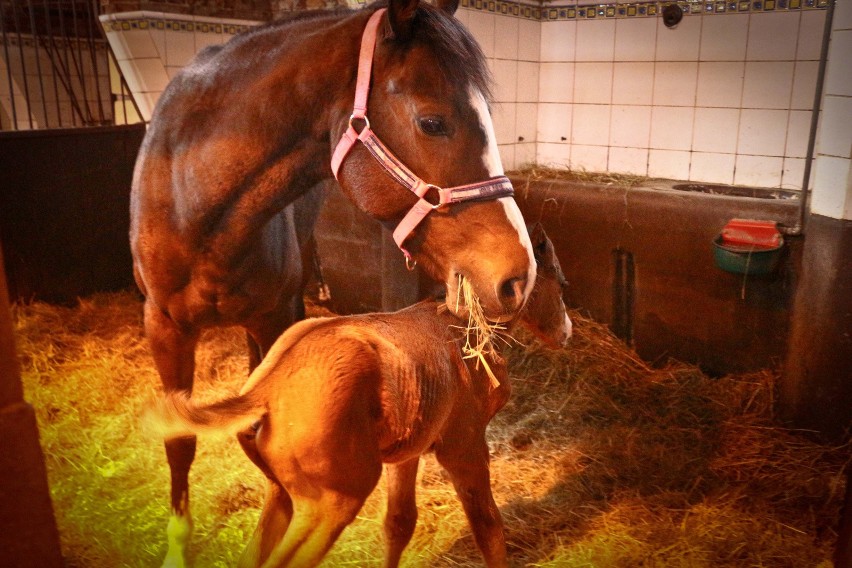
x=401 y=517
x=173 y=350
x=468 y=469
x=273 y=523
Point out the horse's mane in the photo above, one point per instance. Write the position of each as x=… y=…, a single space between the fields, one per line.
x=462 y=60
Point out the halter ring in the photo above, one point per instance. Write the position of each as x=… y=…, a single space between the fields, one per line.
x=364 y=118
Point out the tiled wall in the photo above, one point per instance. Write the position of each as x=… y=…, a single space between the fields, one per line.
x=723 y=97
x=833 y=170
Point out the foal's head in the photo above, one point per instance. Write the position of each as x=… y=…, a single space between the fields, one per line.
x=429 y=103
x=544 y=315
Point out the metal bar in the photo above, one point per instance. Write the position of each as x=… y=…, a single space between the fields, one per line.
x=36 y=41
x=67 y=77
x=48 y=44
x=78 y=65
x=94 y=54
x=8 y=69
x=23 y=64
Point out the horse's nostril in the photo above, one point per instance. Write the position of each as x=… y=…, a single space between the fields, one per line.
x=512 y=292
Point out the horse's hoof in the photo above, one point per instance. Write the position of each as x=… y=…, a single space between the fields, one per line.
x=178 y=531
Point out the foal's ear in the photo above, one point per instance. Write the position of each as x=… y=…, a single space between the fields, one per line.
x=538 y=239
x=448 y=6
x=401 y=17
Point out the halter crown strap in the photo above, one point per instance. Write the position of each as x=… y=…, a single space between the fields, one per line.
x=493 y=188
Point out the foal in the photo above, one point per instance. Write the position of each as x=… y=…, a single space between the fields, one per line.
x=338 y=397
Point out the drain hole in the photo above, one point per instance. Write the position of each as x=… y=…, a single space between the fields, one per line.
x=736 y=191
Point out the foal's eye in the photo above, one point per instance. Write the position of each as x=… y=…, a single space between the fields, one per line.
x=432 y=125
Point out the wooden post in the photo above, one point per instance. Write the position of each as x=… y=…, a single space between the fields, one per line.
x=28 y=533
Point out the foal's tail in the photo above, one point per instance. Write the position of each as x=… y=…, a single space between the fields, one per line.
x=176 y=415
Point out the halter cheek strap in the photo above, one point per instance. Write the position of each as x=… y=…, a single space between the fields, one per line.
x=489 y=189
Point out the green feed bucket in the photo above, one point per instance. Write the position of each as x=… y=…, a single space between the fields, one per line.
x=746 y=259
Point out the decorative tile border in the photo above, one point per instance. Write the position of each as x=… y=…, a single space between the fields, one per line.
x=127 y=21
x=637 y=9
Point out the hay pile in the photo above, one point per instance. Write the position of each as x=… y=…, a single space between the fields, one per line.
x=598 y=461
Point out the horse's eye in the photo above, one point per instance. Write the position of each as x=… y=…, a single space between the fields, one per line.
x=432 y=125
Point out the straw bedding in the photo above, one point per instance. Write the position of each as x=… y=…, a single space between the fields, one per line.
x=598 y=460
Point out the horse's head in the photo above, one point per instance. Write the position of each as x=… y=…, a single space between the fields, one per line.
x=544 y=314
x=428 y=104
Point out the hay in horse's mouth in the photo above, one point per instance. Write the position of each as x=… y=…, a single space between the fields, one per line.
x=480 y=331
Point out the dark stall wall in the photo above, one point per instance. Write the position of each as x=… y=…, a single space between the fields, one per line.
x=641 y=260
x=64 y=210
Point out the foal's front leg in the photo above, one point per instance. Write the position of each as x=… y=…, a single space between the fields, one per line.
x=468 y=469
x=401 y=517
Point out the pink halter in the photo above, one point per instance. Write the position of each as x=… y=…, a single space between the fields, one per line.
x=490 y=189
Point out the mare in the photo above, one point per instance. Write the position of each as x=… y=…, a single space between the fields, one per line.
x=249 y=126
x=338 y=397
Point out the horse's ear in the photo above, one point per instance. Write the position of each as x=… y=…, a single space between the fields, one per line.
x=401 y=17
x=448 y=6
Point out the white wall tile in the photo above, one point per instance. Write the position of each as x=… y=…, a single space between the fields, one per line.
x=632 y=161
x=505 y=74
x=463 y=15
x=838 y=79
x=681 y=43
x=556 y=82
x=554 y=122
x=528 y=80
x=482 y=26
x=723 y=38
x=762 y=132
x=794 y=173
x=671 y=164
x=558 y=41
x=504 y=122
x=675 y=83
x=590 y=125
x=630 y=126
x=712 y=168
x=633 y=83
x=671 y=128
x=798 y=131
x=842 y=16
x=772 y=36
x=506 y=37
x=507 y=156
x=529 y=40
x=159 y=39
x=525 y=155
x=147 y=76
x=768 y=84
x=203 y=39
x=720 y=84
x=526 y=122
x=715 y=130
x=180 y=47
x=830 y=195
x=835 y=132
x=758 y=171
x=589 y=158
x=554 y=155
x=137 y=44
x=595 y=40
x=635 y=39
x=810 y=34
x=593 y=83
x=804 y=84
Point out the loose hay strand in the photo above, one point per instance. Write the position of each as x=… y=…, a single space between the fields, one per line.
x=480 y=328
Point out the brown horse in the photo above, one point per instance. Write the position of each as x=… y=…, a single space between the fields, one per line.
x=249 y=126
x=338 y=397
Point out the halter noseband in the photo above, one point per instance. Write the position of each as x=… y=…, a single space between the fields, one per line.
x=490 y=189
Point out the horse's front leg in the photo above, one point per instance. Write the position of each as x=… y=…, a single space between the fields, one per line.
x=173 y=350
x=468 y=469
x=401 y=517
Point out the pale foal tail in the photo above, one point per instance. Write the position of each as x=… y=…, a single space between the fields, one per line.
x=176 y=415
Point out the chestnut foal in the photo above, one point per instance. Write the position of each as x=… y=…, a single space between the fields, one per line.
x=338 y=397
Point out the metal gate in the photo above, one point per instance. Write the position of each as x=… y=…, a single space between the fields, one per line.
x=57 y=70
